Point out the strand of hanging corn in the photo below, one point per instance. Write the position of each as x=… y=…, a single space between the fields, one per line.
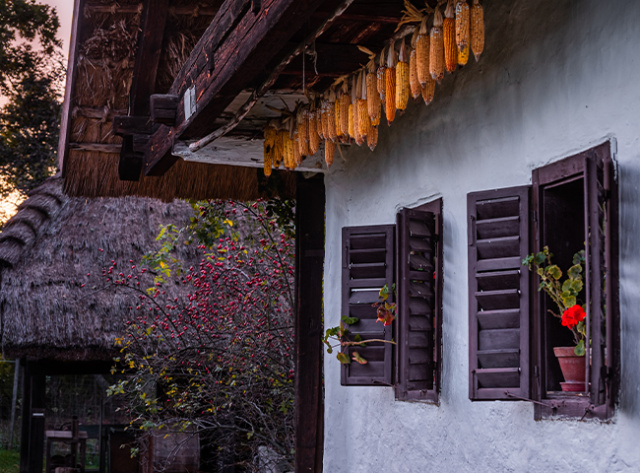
x=350 y=110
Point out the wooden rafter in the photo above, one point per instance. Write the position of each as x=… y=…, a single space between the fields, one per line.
x=144 y=79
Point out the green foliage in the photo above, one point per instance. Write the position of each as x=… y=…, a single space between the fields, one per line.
x=564 y=294
x=9 y=461
x=31 y=75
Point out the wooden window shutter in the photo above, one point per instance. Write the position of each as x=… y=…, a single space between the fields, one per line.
x=499 y=294
x=601 y=211
x=419 y=321
x=367 y=265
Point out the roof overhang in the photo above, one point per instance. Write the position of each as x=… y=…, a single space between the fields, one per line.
x=253 y=58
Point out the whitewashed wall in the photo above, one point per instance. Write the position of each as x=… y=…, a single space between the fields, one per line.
x=557 y=77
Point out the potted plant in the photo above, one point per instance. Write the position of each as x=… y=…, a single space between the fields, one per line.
x=565 y=293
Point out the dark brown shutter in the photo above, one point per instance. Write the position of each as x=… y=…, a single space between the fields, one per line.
x=367 y=265
x=601 y=267
x=418 y=321
x=498 y=294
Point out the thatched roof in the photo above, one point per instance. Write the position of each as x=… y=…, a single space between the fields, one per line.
x=51 y=248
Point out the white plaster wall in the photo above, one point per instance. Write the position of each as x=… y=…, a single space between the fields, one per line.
x=557 y=77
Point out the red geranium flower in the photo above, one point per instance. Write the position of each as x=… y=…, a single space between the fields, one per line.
x=572 y=316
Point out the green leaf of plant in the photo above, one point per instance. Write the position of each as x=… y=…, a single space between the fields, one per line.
x=576 y=286
x=357 y=338
x=350 y=320
x=540 y=258
x=554 y=271
x=357 y=358
x=575 y=271
x=568 y=299
x=343 y=358
x=579 y=349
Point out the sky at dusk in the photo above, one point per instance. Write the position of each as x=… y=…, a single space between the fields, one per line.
x=65 y=13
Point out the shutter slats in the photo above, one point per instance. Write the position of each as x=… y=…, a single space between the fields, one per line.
x=416 y=303
x=498 y=294
x=368 y=265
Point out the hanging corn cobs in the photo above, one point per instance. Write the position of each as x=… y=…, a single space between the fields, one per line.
x=381 y=76
x=462 y=31
x=314 y=137
x=373 y=96
x=270 y=134
x=390 y=85
x=372 y=137
x=402 y=79
x=436 y=47
x=477 y=29
x=449 y=36
x=422 y=53
x=329 y=152
x=345 y=101
x=414 y=83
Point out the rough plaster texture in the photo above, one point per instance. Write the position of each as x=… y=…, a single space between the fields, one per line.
x=557 y=77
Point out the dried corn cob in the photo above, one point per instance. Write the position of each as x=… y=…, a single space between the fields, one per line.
x=477 y=29
x=372 y=137
x=270 y=134
x=278 y=150
x=329 y=152
x=287 y=149
x=428 y=91
x=436 y=47
x=449 y=35
x=338 y=118
x=319 y=114
x=345 y=101
x=373 y=97
x=331 y=116
x=352 y=122
x=422 y=53
x=356 y=92
x=362 y=107
x=381 y=76
x=303 y=127
x=402 y=79
x=297 y=155
x=462 y=24
x=314 y=137
x=414 y=83
x=324 y=119
x=390 y=85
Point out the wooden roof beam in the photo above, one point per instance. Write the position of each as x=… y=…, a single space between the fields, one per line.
x=144 y=80
x=247 y=42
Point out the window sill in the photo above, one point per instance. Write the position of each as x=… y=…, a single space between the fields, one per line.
x=576 y=406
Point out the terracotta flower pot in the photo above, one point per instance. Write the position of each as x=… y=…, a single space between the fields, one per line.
x=573 y=369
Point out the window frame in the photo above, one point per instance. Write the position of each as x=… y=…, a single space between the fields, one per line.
x=600 y=204
x=396 y=356
x=596 y=168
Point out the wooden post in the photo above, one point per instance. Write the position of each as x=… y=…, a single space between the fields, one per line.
x=14 y=401
x=33 y=420
x=310 y=210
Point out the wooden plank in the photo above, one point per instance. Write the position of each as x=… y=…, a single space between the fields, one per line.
x=310 y=207
x=68 y=103
x=148 y=55
x=97 y=147
x=144 y=80
x=241 y=57
x=131 y=125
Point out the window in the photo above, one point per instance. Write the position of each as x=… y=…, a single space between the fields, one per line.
x=571 y=205
x=408 y=254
